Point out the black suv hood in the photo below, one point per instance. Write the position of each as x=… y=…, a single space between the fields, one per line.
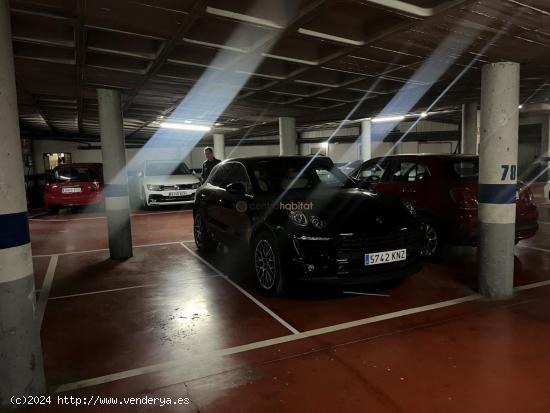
x=346 y=210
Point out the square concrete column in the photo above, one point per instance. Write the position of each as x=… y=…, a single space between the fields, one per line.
x=366 y=140
x=498 y=155
x=219 y=146
x=21 y=368
x=468 y=143
x=117 y=205
x=287 y=136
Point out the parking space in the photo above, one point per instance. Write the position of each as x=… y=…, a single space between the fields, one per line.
x=193 y=324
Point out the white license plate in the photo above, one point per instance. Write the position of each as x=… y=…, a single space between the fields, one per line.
x=385 y=257
x=71 y=190
x=178 y=193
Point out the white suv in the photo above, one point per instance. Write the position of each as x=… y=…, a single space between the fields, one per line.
x=167 y=183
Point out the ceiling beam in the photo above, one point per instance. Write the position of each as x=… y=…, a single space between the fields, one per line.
x=354 y=48
x=198 y=9
x=307 y=14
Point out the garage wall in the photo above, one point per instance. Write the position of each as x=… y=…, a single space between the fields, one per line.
x=40 y=147
x=134 y=156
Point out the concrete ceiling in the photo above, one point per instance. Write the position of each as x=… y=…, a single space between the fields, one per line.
x=317 y=60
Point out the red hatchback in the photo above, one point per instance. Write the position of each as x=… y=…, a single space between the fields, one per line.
x=444 y=191
x=73 y=185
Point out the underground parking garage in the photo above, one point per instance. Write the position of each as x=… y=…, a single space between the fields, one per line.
x=221 y=205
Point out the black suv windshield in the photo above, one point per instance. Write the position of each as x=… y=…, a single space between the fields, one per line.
x=275 y=176
x=73 y=174
x=166 y=168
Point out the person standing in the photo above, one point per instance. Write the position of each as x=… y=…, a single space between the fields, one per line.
x=209 y=163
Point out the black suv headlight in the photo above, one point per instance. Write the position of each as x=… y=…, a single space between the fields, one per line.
x=298 y=218
x=317 y=222
x=409 y=207
x=302 y=220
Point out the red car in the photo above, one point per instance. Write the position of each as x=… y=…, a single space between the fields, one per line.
x=74 y=185
x=444 y=190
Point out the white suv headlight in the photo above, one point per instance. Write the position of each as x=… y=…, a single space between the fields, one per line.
x=151 y=187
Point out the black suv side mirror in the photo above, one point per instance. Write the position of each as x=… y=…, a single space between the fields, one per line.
x=236 y=188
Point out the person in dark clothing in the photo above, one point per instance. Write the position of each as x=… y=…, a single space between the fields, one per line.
x=209 y=163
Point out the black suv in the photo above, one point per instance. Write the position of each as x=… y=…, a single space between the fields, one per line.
x=302 y=219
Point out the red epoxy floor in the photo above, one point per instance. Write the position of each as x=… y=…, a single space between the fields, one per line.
x=164 y=324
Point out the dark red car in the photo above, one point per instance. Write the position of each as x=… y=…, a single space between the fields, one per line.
x=444 y=191
x=74 y=185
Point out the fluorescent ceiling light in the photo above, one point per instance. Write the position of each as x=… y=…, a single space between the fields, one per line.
x=520 y=107
x=324 y=144
x=383 y=119
x=243 y=17
x=185 y=126
x=424 y=115
x=327 y=36
x=219 y=46
x=308 y=82
x=290 y=59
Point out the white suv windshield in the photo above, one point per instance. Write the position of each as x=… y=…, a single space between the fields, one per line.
x=166 y=168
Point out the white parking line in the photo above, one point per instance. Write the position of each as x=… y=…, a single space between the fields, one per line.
x=532 y=248
x=31 y=218
x=172 y=365
x=45 y=290
x=250 y=296
x=533 y=285
x=59 y=297
x=107 y=249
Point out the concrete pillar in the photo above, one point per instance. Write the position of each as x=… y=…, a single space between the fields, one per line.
x=498 y=155
x=21 y=368
x=366 y=140
x=117 y=203
x=219 y=146
x=287 y=136
x=468 y=143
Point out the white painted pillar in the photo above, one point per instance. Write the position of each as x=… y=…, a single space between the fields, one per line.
x=117 y=205
x=498 y=155
x=468 y=143
x=219 y=146
x=366 y=140
x=21 y=367
x=287 y=136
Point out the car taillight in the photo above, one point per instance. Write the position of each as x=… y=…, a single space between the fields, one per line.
x=525 y=194
x=96 y=186
x=465 y=198
x=48 y=188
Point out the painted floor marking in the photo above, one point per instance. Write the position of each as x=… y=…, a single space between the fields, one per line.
x=238 y=287
x=532 y=248
x=31 y=218
x=107 y=249
x=170 y=365
x=45 y=290
x=59 y=297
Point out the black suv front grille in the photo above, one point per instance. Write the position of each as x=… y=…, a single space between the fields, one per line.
x=356 y=246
